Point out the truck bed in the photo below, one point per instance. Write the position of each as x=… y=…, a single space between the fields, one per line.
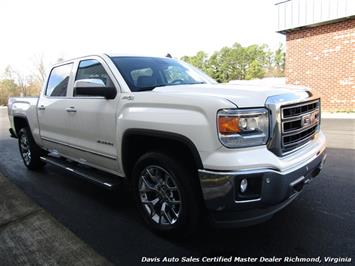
x=25 y=107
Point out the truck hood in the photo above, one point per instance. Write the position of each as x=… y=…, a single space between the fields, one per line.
x=241 y=95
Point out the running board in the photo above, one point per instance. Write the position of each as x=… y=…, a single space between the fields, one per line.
x=107 y=180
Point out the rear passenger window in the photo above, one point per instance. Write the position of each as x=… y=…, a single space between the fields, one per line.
x=92 y=69
x=58 y=80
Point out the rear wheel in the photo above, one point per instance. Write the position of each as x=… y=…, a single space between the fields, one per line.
x=165 y=195
x=29 y=150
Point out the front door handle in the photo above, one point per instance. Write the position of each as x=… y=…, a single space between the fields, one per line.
x=41 y=108
x=71 y=109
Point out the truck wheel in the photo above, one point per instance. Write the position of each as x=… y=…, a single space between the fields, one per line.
x=165 y=195
x=29 y=150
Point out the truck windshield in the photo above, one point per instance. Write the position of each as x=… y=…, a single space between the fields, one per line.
x=147 y=73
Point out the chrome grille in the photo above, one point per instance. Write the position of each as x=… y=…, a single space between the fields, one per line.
x=299 y=123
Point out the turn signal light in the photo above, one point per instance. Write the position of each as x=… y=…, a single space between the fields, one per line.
x=228 y=125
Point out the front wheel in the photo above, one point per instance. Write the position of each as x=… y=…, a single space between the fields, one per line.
x=30 y=152
x=165 y=195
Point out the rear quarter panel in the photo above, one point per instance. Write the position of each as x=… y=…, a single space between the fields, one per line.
x=25 y=107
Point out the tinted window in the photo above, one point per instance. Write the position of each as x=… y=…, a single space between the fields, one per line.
x=176 y=73
x=143 y=72
x=146 y=73
x=92 y=69
x=58 y=80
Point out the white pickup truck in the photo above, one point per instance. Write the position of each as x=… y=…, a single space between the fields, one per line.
x=191 y=148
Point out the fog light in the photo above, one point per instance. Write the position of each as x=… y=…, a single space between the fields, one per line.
x=243 y=185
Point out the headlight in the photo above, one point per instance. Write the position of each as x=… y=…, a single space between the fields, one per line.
x=243 y=127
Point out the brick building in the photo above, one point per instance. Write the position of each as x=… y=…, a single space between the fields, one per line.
x=320 y=48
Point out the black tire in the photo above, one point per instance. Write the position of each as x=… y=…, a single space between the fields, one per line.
x=190 y=208
x=29 y=150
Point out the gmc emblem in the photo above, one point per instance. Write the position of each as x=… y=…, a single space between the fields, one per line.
x=309 y=119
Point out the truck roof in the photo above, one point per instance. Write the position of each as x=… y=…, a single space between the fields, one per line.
x=109 y=55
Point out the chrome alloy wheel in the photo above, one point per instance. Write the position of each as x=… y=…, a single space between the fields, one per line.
x=25 y=149
x=159 y=195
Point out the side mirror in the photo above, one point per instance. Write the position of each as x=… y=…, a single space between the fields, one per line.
x=93 y=87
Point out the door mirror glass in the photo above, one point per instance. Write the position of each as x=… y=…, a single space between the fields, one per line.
x=93 y=87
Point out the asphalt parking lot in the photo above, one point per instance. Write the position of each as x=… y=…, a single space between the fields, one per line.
x=321 y=222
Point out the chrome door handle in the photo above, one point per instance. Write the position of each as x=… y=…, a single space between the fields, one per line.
x=71 y=109
x=41 y=108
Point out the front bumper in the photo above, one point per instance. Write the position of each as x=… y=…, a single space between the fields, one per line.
x=276 y=190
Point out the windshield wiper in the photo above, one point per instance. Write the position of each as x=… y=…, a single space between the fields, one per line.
x=149 y=88
x=200 y=82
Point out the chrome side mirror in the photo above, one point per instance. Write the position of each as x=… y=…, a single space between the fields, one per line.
x=93 y=87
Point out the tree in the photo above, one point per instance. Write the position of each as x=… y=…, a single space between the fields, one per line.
x=256 y=61
x=33 y=86
x=15 y=83
x=255 y=70
x=8 y=73
x=39 y=74
x=40 y=70
x=199 y=60
x=21 y=83
x=8 y=88
x=238 y=62
x=279 y=60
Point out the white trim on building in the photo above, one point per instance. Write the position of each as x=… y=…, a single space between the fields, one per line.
x=292 y=14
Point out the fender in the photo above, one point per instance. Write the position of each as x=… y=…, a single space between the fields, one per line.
x=161 y=135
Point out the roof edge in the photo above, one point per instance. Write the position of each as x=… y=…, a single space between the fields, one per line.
x=285 y=31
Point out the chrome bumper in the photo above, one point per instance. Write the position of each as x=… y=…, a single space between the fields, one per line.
x=220 y=191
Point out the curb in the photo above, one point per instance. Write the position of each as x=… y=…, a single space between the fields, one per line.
x=326 y=115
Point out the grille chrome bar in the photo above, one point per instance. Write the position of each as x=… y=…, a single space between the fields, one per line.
x=298 y=110
x=297 y=130
x=306 y=137
x=299 y=124
x=298 y=97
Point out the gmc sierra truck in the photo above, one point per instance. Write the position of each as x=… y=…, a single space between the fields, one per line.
x=190 y=148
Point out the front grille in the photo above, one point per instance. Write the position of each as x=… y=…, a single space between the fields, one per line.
x=299 y=122
x=300 y=109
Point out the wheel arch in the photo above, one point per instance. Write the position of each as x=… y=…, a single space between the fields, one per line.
x=136 y=142
x=20 y=121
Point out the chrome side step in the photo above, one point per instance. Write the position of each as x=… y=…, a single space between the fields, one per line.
x=107 y=180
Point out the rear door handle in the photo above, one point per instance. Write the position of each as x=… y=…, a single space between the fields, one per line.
x=71 y=109
x=41 y=108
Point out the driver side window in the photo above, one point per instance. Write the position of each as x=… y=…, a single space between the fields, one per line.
x=92 y=69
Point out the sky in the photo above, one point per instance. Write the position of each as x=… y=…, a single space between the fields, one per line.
x=65 y=29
